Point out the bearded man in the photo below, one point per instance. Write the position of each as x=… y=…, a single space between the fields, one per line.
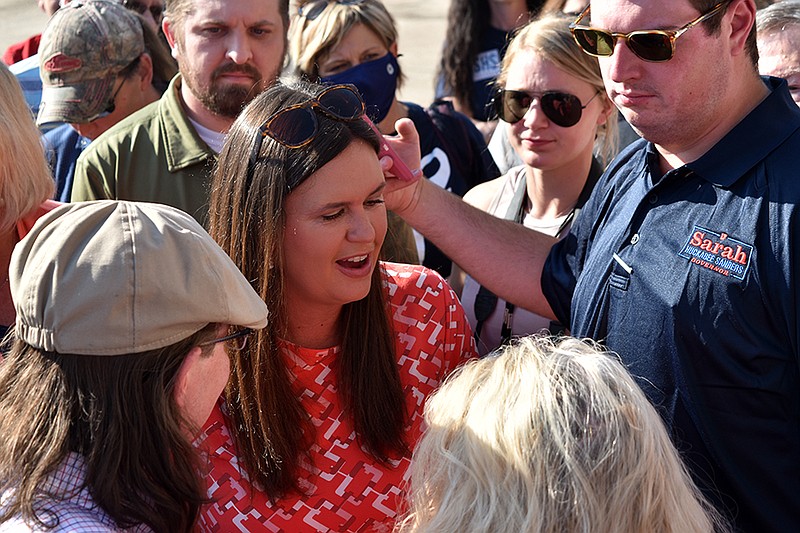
x=227 y=51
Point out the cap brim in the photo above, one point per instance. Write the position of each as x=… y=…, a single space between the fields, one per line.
x=74 y=103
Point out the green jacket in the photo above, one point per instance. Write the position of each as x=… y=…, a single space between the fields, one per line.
x=153 y=155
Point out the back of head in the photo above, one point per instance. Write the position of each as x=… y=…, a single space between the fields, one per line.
x=25 y=180
x=549 y=38
x=318 y=27
x=548 y=436
x=110 y=297
x=85 y=46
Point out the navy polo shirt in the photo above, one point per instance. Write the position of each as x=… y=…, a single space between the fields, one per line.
x=692 y=278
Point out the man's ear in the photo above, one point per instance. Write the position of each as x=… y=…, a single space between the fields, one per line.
x=184 y=377
x=145 y=71
x=172 y=39
x=741 y=23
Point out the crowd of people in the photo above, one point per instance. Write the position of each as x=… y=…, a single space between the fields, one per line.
x=248 y=288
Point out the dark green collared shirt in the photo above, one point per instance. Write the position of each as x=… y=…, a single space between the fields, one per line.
x=154 y=155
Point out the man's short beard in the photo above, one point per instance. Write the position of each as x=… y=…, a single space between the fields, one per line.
x=228 y=101
x=220 y=98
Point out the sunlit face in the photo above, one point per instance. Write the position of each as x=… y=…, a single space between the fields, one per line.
x=779 y=55
x=536 y=139
x=335 y=226
x=228 y=51
x=359 y=45
x=670 y=102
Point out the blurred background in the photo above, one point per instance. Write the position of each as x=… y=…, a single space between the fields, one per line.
x=421 y=24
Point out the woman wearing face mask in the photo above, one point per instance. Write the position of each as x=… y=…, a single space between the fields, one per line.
x=551 y=95
x=316 y=426
x=355 y=42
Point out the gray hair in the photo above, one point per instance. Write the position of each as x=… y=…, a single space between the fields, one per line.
x=778 y=16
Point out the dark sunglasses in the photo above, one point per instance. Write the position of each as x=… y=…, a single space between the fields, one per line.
x=650 y=45
x=563 y=109
x=296 y=126
x=134 y=5
x=314 y=9
x=237 y=340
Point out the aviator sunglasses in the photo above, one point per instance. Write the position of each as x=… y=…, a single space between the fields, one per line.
x=650 y=45
x=296 y=125
x=563 y=109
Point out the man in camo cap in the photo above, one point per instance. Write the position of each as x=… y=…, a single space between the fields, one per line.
x=98 y=62
x=84 y=49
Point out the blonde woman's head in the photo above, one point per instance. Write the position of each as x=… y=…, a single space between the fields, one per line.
x=549 y=435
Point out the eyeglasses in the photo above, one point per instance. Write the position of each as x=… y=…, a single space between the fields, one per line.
x=296 y=126
x=563 y=109
x=650 y=45
x=157 y=11
x=236 y=341
x=314 y=9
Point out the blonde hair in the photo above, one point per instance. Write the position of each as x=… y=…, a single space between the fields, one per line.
x=311 y=40
x=549 y=38
x=25 y=179
x=549 y=435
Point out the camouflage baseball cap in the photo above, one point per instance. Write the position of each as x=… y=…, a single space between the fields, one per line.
x=84 y=47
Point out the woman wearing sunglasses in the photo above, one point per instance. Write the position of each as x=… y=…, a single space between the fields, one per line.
x=551 y=95
x=315 y=429
x=355 y=41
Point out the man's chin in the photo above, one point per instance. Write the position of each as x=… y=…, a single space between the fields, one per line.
x=229 y=101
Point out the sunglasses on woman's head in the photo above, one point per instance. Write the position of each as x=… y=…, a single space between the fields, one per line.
x=297 y=125
x=314 y=9
x=563 y=109
x=650 y=45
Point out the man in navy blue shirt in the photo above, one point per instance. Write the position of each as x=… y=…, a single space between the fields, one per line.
x=683 y=260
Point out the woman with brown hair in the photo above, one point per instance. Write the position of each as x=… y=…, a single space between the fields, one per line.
x=316 y=426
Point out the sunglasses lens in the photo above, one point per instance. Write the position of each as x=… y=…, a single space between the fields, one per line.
x=594 y=42
x=313 y=10
x=511 y=106
x=651 y=46
x=563 y=109
x=292 y=127
x=342 y=102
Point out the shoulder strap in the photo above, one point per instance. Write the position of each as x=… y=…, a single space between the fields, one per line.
x=486 y=300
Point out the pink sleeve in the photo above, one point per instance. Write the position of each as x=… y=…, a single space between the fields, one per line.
x=25 y=224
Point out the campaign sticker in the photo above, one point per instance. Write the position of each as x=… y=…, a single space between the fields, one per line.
x=718 y=252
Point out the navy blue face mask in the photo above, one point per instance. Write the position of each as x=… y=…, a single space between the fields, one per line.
x=376 y=80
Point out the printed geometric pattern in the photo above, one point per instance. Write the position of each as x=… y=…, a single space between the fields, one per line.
x=345 y=489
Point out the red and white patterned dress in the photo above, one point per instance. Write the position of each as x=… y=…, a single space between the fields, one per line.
x=346 y=489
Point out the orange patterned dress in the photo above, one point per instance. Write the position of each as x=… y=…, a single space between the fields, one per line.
x=345 y=489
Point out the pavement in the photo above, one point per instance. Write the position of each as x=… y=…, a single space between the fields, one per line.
x=421 y=24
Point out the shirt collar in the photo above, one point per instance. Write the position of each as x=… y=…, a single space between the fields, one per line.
x=765 y=128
